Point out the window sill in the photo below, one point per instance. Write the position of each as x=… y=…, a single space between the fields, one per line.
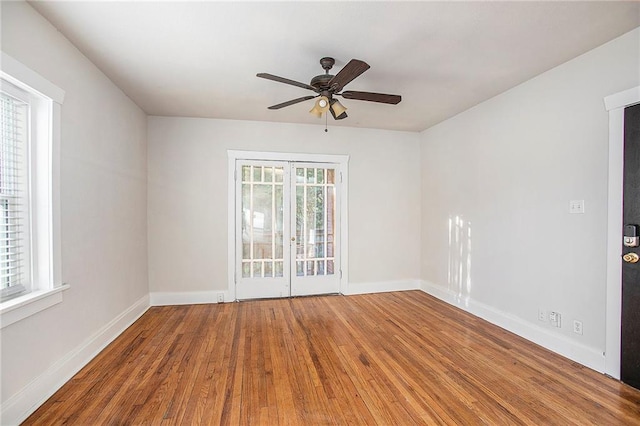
x=22 y=307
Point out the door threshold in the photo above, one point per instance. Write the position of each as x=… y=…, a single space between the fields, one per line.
x=289 y=297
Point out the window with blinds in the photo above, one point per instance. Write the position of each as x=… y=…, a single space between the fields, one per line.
x=30 y=252
x=14 y=192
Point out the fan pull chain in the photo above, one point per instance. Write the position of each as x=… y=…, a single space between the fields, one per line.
x=326 y=119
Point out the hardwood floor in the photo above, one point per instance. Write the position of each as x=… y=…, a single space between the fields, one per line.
x=390 y=359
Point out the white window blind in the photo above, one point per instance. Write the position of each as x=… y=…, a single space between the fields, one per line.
x=14 y=196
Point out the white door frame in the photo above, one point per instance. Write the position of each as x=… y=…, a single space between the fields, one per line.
x=341 y=160
x=615 y=104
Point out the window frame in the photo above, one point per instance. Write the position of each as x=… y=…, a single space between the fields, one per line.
x=46 y=284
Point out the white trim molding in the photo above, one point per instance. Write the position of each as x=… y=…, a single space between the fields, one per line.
x=615 y=104
x=204 y=297
x=380 y=287
x=19 y=74
x=22 y=404
x=22 y=307
x=188 y=298
x=622 y=99
x=557 y=343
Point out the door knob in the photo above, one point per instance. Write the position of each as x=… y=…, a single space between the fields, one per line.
x=293 y=238
x=631 y=257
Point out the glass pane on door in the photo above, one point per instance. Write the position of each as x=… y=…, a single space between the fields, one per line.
x=287 y=229
x=315 y=216
x=262 y=221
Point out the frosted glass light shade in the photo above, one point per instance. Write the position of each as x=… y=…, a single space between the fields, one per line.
x=316 y=111
x=338 y=108
x=322 y=105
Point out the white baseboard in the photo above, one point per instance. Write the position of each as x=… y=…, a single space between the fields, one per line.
x=555 y=342
x=187 y=297
x=199 y=297
x=19 y=406
x=381 y=287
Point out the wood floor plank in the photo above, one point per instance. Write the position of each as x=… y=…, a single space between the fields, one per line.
x=391 y=358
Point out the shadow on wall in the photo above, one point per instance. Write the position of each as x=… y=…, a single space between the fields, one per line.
x=459 y=274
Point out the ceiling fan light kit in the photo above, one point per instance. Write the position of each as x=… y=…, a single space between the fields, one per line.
x=315 y=111
x=321 y=106
x=327 y=86
x=338 y=108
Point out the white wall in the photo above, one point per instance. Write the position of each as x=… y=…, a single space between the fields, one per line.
x=508 y=169
x=502 y=172
x=103 y=210
x=187 y=204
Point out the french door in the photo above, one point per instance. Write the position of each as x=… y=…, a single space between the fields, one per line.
x=287 y=229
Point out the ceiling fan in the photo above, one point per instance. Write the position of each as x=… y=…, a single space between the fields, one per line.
x=327 y=86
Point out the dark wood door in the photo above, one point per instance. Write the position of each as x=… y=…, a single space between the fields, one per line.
x=630 y=338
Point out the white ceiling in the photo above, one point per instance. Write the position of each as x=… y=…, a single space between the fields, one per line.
x=200 y=59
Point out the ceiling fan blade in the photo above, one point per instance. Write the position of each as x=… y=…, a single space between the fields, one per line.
x=353 y=69
x=372 y=97
x=291 y=102
x=285 y=81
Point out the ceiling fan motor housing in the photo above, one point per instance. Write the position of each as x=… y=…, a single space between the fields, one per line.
x=327 y=63
x=321 y=82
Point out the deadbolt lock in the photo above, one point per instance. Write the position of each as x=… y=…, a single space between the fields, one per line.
x=631 y=236
x=631 y=257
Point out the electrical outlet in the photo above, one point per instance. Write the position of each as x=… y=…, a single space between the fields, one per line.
x=577 y=327
x=542 y=315
x=555 y=319
x=576 y=206
x=220 y=297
